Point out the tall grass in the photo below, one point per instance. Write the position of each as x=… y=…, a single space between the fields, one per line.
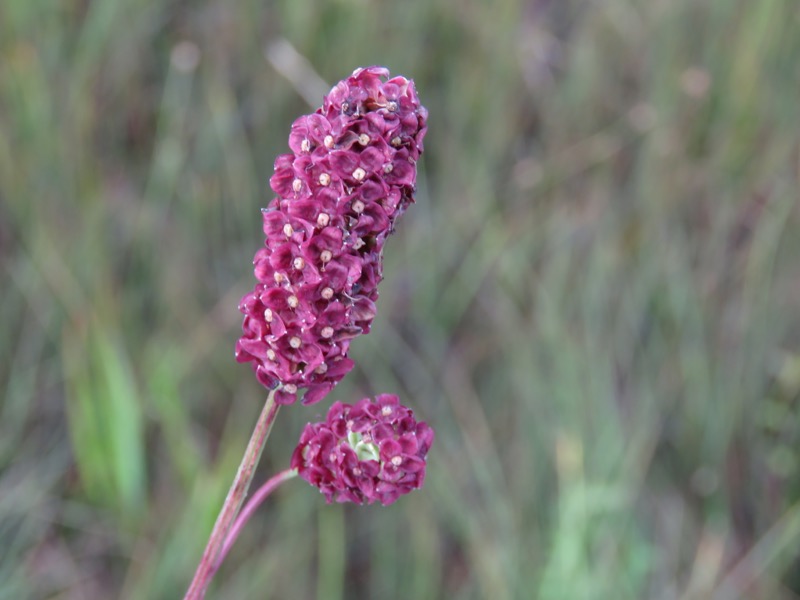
x=595 y=301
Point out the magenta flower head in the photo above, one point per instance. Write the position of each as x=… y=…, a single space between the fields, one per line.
x=351 y=174
x=365 y=452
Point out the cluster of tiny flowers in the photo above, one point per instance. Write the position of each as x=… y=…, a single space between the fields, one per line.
x=365 y=452
x=351 y=174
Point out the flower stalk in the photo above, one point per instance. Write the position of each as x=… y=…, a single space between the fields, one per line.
x=233 y=502
x=252 y=505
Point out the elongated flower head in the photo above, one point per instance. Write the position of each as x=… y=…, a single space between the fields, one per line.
x=350 y=175
x=372 y=450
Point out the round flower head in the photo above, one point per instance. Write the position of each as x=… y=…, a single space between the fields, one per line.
x=372 y=450
x=351 y=174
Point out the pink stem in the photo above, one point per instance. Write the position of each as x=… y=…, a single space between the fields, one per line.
x=233 y=502
x=248 y=510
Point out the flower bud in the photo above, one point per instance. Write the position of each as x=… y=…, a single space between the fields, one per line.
x=367 y=452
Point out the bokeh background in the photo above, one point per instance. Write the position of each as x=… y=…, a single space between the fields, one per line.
x=595 y=301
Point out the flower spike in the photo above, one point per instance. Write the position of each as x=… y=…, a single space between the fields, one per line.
x=351 y=174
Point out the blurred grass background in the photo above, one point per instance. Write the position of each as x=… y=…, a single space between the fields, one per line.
x=595 y=302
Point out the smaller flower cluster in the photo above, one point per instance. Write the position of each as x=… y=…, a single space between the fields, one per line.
x=372 y=450
x=351 y=174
